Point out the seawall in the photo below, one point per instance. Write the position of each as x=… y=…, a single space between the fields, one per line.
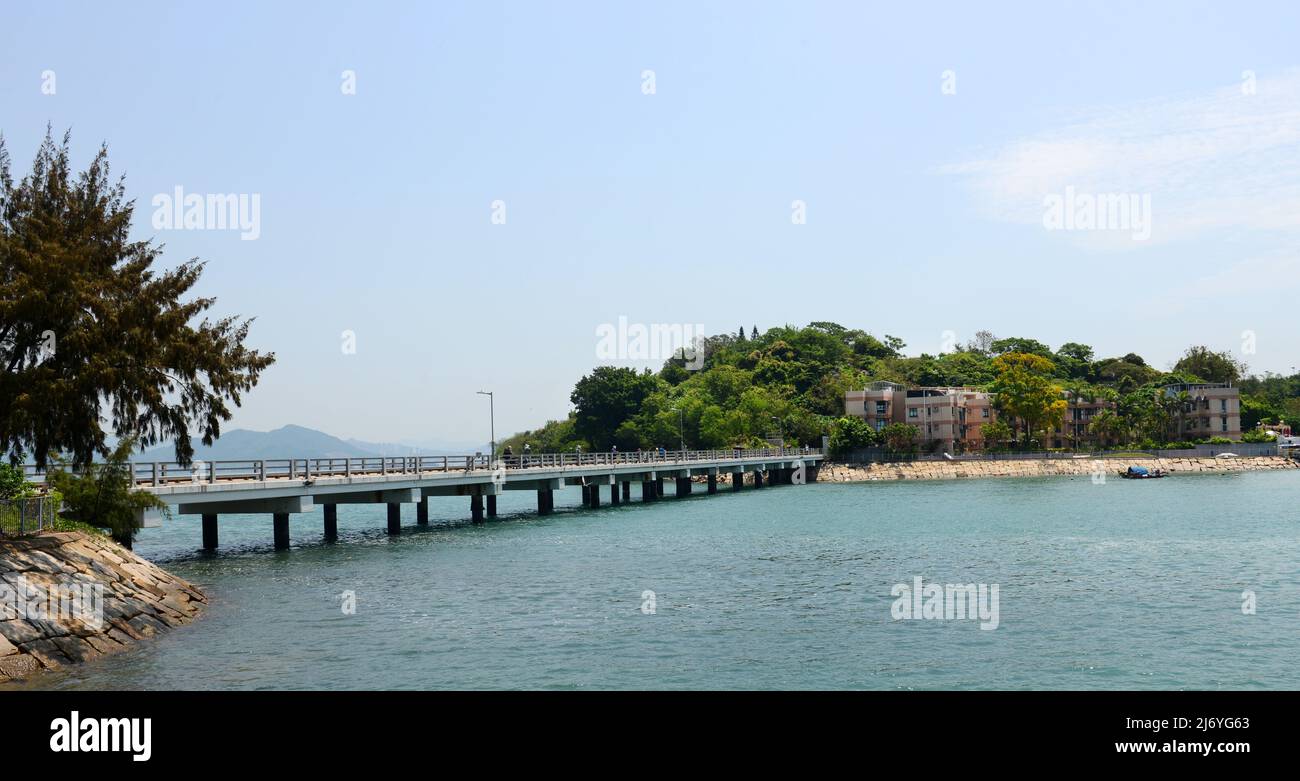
x=105 y=599
x=1056 y=467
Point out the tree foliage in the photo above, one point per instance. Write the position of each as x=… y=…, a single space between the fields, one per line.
x=92 y=333
x=100 y=494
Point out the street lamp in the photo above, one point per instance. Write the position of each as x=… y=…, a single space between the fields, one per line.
x=681 y=428
x=492 y=416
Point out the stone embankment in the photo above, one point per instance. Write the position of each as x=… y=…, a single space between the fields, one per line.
x=1055 y=467
x=68 y=597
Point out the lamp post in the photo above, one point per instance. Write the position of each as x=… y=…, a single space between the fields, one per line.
x=681 y=428
x=492 y=417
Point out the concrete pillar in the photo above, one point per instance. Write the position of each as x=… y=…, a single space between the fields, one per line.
x=476 y=508
x=613 y=494
x=647 y=491
x=209 y=532
x=737 y=480
x=550 y=500
x=810 y=474
x=422 y=512
x=593 y=495
x=586 y=495
x=683 y=486
x=541 y=501
x=758 y=478
x=713 y=484
x=331 y=522
x=627 y=490
x=280 y=522
x=492 y=505
x=394 y=518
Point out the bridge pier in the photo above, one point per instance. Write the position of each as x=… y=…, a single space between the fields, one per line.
x=737 y=481
x=394 y=518
x=713 y=484
x=492 y=505
x=209 y=532
x=422 y=511
x=647 y=491
x=476 y=508
x=593 y=496
x=280 y=525
x=586 y=495
x=758 y=478
x=613 y=494
x=683 y=487
x=331 y=522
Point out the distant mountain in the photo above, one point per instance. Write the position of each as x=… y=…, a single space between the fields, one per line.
x=417 y=448
x=283 y=442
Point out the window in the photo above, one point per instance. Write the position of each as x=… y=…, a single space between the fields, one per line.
x=911 y=412
x=880 y=425
x=1223 y=405
x=984 y=413
x=1224 y=421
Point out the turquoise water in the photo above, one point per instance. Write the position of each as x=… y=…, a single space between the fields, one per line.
x=1115 y=586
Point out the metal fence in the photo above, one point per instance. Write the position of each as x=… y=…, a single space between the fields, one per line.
x=27 y=516
x=160 y=473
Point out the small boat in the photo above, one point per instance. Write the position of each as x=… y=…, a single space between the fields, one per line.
x=1141 y=473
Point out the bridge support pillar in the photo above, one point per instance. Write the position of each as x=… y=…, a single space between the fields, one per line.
x=737 y=480
x=810 y=474
x=545 y=501
x=394 y=518
x=713 y=484
x=331 y=522
x=209 y=532
x=647 y=491
x=613 y=494
x=683 y=486
x=627 y=490
x=476 y=508
x=280 y=524
x=492 y=505
x=758 y=478
x=422 y=511
x=593 y=496
x=586 y=495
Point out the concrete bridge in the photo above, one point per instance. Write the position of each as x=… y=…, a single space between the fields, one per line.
x=281 y=487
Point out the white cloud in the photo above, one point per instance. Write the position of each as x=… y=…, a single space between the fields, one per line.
x=1223 y=161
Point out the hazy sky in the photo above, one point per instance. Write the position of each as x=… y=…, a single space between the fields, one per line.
x=923 y=140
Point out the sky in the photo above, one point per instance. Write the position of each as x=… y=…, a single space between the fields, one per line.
x=455 y=197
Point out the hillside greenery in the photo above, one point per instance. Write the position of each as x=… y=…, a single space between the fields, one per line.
x=790 y=383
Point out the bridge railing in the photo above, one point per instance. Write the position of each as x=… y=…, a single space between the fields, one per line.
x=162 y=473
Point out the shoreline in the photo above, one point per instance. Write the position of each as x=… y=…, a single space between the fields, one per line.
x=69 y=597
x=1056 y=467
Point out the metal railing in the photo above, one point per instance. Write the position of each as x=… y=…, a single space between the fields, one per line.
x=27 y=516
x=162 y=473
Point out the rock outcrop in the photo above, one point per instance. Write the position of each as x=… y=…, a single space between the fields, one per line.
x=105 y=598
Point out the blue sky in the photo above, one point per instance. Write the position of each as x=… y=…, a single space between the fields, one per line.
x=924 y=209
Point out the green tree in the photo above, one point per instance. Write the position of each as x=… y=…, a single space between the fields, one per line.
x=606 y=398
x=849 y=434
x=12 y=483
x=996 y=434
x=900 y=437
x=102 y=494
x=1025 y=391
x=1210 y=366
x=91 y=333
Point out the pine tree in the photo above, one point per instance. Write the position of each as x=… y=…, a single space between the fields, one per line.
x=91 y=333
x=754 y=335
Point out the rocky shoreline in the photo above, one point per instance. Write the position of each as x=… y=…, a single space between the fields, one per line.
x=1056 y=467
x=69 y=597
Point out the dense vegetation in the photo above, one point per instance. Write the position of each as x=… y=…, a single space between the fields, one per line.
x=790 y=382
x=94 y=338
